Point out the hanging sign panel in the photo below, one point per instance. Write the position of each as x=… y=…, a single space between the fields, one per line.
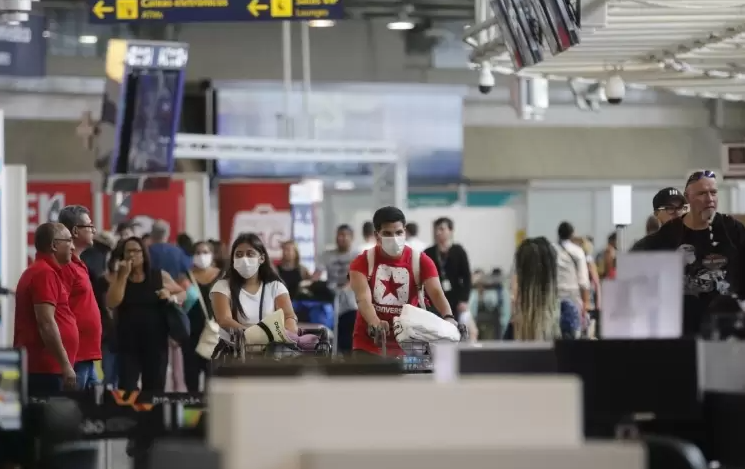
x=208 y=11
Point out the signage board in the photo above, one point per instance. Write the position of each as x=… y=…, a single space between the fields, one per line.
x=141 y=106
x=23 y=48
x=198 y=11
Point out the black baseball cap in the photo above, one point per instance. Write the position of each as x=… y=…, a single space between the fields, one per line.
x=668 y=197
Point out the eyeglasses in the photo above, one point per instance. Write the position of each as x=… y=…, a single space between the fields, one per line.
x=90 y=227
x=700 y=174
x=63 y=240
x=673 y=210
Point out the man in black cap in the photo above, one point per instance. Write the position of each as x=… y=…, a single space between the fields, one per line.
x=669 y=203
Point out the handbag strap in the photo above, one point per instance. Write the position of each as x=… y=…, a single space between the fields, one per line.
x=261 y=301
x=200 y=298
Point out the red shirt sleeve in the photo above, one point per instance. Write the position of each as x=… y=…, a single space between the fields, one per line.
x=359 y=264
x=45 y=288
x=427 y=268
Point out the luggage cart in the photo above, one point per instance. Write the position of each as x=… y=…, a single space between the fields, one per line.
x=281 y=350
x=416 y=356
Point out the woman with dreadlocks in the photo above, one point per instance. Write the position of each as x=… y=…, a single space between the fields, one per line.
x=535 y=314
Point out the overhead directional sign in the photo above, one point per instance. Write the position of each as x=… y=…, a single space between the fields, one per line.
x=206 y=11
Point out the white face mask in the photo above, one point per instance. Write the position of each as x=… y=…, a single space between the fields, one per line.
x=202 y=261
x=393 y=245
x=246 y=266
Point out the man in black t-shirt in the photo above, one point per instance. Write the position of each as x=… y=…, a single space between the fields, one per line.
x=713 y=245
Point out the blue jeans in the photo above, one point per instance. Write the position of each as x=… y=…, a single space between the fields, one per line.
x=109 y=362
x=86 y=374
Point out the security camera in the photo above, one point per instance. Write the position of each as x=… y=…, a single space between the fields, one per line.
x=615 y=89
x=486 y=79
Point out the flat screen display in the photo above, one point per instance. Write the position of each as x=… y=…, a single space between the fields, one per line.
x=11 y=389
x=154 y=113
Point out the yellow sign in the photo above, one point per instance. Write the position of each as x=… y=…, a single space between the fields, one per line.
x=280 y=8
x=100 y=9
x=127 y=10
x=255 y=8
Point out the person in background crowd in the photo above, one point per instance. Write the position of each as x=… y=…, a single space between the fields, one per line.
x=44 y=323
x=490 y=303
x=219 y=251
x=368 y=236
x=382 y=297
x=95 y=257
x=412 y=237
x=77 y=219
x=573 y=275
x=125 y=229
x=140 y=295
x=452 y=265
x=164 y=255
x=336 y=265
x=607 y=259
x=146 y=239
x=594 y=304
x=712 y=245
x=186 y=244
x=290 y=270
x=173 y=260
x=535 y=293
x=668 y=204
x=249 y=290
x=653 y=224
x=108 y=338
x=205 y=274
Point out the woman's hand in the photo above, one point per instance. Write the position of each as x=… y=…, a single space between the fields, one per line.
x=163 y=294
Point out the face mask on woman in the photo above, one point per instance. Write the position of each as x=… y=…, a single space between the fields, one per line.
x=393 y=245
x=203 y=260
x=246 y=266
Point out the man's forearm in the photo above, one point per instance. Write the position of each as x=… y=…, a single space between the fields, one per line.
x=368 y=312
x=53 y=342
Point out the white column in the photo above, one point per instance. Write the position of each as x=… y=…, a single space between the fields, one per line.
x=14 y=225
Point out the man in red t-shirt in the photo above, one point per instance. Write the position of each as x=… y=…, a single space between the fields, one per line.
x=392 y=285
x=77 y=219
x=44 y=324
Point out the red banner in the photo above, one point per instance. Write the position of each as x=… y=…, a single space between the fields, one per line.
x=146 y=207
x=259 y=207
x=46 y=199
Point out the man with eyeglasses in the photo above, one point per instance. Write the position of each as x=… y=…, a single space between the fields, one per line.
x=77 y=219
x=712 y=243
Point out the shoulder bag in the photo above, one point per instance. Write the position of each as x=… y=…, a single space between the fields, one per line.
x=210 y=336
x=179 y=328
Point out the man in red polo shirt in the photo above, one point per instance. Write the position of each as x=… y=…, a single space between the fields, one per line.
x=44 y=324
x=77 y=219
x=384 y=289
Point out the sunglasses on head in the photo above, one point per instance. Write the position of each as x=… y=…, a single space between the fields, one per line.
x=700 y=174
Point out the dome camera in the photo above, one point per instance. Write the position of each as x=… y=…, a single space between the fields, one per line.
x=615 y=89
x=486 y=78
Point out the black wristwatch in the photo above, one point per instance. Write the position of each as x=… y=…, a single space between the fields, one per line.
x=449 y=316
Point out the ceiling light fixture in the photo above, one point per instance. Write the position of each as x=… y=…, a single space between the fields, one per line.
x=403 y=22
x=87 y=39
x=321 y=23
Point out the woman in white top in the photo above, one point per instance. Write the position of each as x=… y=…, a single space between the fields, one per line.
x=236 y=297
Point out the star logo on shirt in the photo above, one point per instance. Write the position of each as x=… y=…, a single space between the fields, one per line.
x=391 y=287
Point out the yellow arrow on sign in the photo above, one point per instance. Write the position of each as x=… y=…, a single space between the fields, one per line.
x=255 y=8
x=100 y=9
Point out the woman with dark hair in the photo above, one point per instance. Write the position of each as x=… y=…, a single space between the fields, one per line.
x=535 y=294
x=250 y=289
x=186 y=244
x=140 y=295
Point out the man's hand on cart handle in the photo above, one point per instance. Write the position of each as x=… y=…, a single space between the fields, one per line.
x=379 y=330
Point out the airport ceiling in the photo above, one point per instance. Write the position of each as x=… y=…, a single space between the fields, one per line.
x=691 y=47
